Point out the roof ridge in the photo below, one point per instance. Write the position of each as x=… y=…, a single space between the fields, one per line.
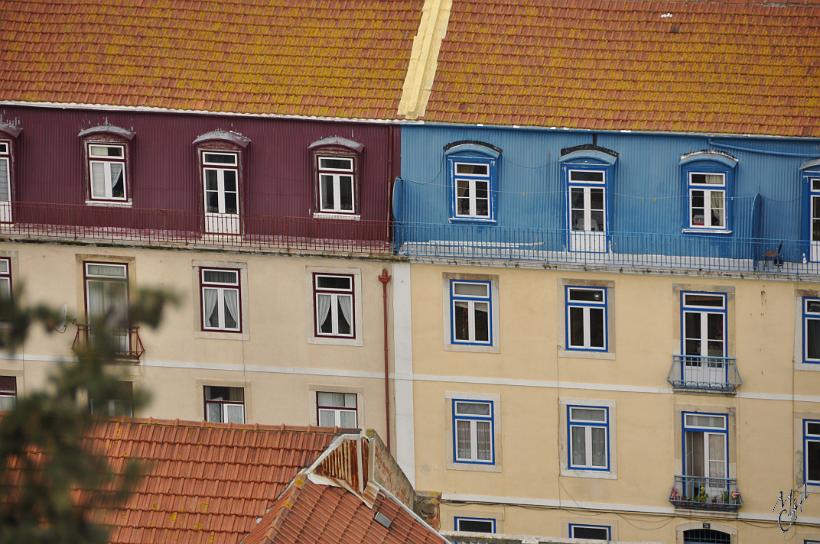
x=183 y=423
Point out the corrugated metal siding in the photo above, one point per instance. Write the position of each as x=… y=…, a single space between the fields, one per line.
x=164 y=168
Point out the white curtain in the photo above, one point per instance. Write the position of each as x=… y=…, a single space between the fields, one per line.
x=323 y=309
x=98 y=180
x=4 y=180
x=579 y=452
x=232 y=308
x=484 y=440
x=598 y=447
x=346 y=305
x=96 y=299
x=463 y=439
x=210 y=298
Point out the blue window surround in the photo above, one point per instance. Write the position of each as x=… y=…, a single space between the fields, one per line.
x=571 y=424
x=490 y=418
x=685 y=429
x=488 y=300
x=806 y=439
x=710 y=309
x=707 y=162
x=807 y=316
x=589 y=158
x=607 y=528
x=458 y=519
x=603 y=304
x=809 y=170
x=475 y=152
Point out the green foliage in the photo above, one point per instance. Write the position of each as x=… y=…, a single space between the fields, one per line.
x=52 y=486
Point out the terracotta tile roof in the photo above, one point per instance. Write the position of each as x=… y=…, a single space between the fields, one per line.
x=207 y=483
x=312 y=57
x=324 y=514
x=738 y=67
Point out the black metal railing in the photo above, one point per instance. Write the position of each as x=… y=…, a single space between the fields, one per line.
x=127 y=341
x=704 y=493
x=703 y=373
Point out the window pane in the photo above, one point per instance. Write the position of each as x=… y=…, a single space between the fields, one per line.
x=473 y=408
x=345 y=313
x=463 y=440
x=327 y=418
x=231 y=310
x=461 y=327
x=234 y=413
x=105 y=151
x=350 y=400
x=98 y=180
x=117 y=180
x=811 y=428
x=590 y=533
x=482 y=322
x=714 y=326
x=326 y=189
x=579 y=452
x=813 y=306
x=484 y=432
x=474 y=525
x=597 y=415
x=219 y=158
x=586 y=295
x=335 y=163
x=6 y=403
x=4 y=266
x=220 y=276
x=705 y=421
x=576 y=175
x=597 y=327
x=471 y=289
x=696 y=299
x=210 y=309
x=348 y=419
x=333 y=282
x=576 y=326
x=213 y=412
x=346 y=198
x=710 y=179
x=211 y=180
x=598 y=446
x=105 y=270
x=331 y=399
x=577 y=197
x=5 y=288
x=813 y=461
x=472 y=169
x=233 y=394
x=694 y=454
x=4 y=180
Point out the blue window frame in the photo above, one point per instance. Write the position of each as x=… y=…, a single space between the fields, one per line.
x=586 y=318
x=708 y=182
x=588 y=437
x=472 y=172
x=474 y=525
x=705 y=449
x=473 y=431
x=471 y=312
x=590 y=532
x=811 y=451
x=811 y=330
x=810 y=210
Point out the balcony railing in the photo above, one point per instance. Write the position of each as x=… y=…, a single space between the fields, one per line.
x=702 y=493
x=702 y=373
x=128 y=344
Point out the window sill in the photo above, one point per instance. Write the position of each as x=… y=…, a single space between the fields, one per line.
x=474 y=467
x=691 y=230
x=585 y=354
x=472 y=220
x=473 y=348
x=579 y=473
x=335 y=341
x=222 y=335
x=109 y=203
x=343 y=216
x=809 y=366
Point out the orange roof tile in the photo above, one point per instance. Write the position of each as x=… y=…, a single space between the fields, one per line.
x=324 y=514
x=312 y=57
x=714 y=66
x=205 y=482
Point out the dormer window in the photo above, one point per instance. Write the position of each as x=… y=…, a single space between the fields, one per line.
x=5 y=181
x=106 y=171
x=708 y=179
x=472 y=171
x=221 y=154
x=336 y=163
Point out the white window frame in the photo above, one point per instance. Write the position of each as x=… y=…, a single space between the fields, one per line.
x=337 y=411
x=224 y=405
x=606 y=528
x=471 y=301
x=586 y=306
x=473 y=420
x=107 y=161
x=706 y=431
x=472 y=181
x=336 y=174
x=5 y=205
x=220 y=288
x=588 y=425
x=9 y=393
x=708 y=189
x=5 y=277
x=704 y=311
x=220 y=168
x=491 y=523
x=334 y=294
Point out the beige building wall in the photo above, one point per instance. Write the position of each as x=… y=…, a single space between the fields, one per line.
x=276 y=357
x=531 y=378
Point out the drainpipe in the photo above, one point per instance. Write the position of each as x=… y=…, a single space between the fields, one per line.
x=384 y=278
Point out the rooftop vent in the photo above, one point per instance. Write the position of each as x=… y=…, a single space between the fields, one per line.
x=383 y=520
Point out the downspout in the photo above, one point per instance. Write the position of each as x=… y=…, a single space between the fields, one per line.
x=385 y=278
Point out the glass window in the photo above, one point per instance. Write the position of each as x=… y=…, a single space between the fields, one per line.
x=704 y=327
x=474 y=525
x=107 y=172
x=333 y=302
x=5 y=181
x=590 y=532
x=8 y=392
x=106 y=298
x=706 y=451
x=811 y=330
x=586 y=319
x=5 y=277
x=588 y=437
x=221 y=300
x=811 y=451
x=122 y=405
x=471 y=309
x=220 y=178
x=337 y=185
x=472 y=190
x=336 y=409
x=473 y=428
x=224 y=404
x=707 y=200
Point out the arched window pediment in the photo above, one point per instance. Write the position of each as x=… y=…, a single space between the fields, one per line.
x=472 y=146
x=112 y=130
x=337 y=141
x=228 y=136
x=712 y=155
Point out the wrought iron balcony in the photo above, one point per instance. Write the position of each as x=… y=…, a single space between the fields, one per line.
x=128 y=342
x=702 y=373
x=702 y=493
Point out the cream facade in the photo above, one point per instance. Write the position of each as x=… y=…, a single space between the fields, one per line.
x=531 y=381
x=275 y=356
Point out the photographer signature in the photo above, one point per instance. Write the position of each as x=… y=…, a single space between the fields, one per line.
x=789 y=506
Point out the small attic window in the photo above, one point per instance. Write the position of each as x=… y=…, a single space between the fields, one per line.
x=708 y=185
x=336 y=165
x=472 y=171
x=107 y=153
